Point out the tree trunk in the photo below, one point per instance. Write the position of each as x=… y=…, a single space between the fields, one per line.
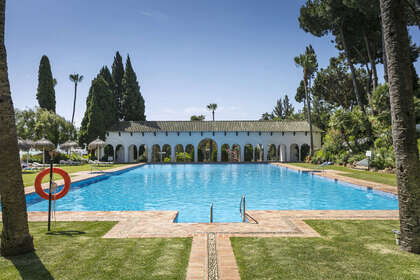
x=213 y=114
x=403 y=121
x=371 y=61
x=353 y=72
x=368 y=85
x=308 y=107
x=15 y=237
x=384 y=58
x=74 y=102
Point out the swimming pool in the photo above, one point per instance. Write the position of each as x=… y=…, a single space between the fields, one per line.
x=190 y=188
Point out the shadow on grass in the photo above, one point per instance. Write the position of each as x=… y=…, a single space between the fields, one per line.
x=30 y=267
x=66 y=232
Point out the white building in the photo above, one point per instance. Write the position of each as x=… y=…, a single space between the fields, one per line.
x=271 y=140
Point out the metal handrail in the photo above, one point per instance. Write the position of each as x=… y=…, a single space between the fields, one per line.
x=211 y=212
x=242 y=205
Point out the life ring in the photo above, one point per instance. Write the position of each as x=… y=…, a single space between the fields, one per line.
x=38 y=183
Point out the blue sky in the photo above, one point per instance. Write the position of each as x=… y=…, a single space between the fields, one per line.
x=186 y=53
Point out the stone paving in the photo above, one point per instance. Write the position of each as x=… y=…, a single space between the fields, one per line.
x=262 y=223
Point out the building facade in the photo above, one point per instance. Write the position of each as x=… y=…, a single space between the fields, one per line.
x=271 y=140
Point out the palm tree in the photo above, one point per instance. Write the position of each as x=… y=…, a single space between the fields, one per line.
x=75 y=78
x=15 y=237
x=397 y=48
x=212 y=107
x=309 y=64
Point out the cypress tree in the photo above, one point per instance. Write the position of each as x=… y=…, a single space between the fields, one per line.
x=117 y=78
x=97 y=118
x=132 y=101
x=113 y=109
x=46 y=93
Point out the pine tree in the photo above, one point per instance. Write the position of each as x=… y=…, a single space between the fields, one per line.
x=288 y=108
x=117 y=78
x=45 y=93
x=132 y=103
x=278 y=111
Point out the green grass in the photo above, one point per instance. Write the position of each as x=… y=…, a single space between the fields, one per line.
x=28 y=176
x=383 y=178
x=85 y=255
x=346 y=250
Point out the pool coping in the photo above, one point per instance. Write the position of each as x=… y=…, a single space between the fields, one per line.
x=80 y=176
x=336 y=175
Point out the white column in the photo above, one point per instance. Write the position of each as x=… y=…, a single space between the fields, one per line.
x=265 y=152
x=196 y=153
x=219 y=153
x=173 y=153
x=126 y=155
x=149 y=153
x=299 y=159
x=241 y=154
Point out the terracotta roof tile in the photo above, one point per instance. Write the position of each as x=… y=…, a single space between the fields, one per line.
x=175 y=126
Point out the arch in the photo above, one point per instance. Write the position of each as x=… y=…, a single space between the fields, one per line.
x=304 y=151
x=272 y=152
x=119 y=153
x=294 y=152
x=166 y=157
x=108 y=153
x=236 y=152
x=259 y=152
x=225 y=152
x=189 y=153
x=132 y=153
x=248 y=152
x=143 y=150
x=179 y=153
x=156 y=156
x=282 y=153
x=207 y=150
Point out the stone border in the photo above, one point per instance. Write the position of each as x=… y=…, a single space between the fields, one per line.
x=337 y=175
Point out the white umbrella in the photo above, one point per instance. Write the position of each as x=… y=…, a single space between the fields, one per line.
x=45 y=145
x=96 y=144
x=68 y=145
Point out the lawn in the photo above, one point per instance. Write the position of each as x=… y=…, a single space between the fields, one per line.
x=346 y=250
x=29 y=176
x=77 y=251
x=383 y=178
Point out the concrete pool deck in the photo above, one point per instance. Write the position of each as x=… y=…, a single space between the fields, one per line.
x=219 y=262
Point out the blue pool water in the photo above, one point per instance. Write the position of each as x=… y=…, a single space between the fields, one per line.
x=191 y=188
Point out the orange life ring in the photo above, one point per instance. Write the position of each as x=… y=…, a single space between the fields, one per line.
x=41 y=175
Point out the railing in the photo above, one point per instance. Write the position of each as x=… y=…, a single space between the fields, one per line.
x=242 y=206
x=211 y=212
